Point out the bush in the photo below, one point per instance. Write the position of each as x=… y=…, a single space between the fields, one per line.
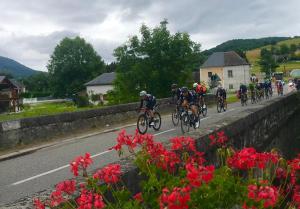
x=81 y=101
x=181 y=178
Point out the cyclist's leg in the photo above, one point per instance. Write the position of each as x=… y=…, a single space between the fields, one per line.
x=194 y=109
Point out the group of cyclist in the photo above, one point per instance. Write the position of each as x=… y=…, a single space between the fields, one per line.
x=184 y=98
x=193 y=99
x=260 y=90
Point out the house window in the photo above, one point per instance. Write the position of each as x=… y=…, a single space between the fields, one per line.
x=209 y=74
x=230 y=86
x=230 y=74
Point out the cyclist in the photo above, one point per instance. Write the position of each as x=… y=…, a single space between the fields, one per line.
x=176 y=92
x=280 y=87
x=188 y=100
x=200 y=89
x=149 y=101
x=221 y=93
x=252 y=91
x=243 y=90
x=267 y=87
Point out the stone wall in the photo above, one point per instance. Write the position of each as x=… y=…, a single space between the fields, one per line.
x=258 y=127
x=44 y=128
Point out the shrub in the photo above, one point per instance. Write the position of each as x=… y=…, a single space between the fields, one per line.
x=81 y=101
x=181 y=178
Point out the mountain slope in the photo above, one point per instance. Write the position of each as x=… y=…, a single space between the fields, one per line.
x=14 y=68
x=254 y=55
x=244 y=44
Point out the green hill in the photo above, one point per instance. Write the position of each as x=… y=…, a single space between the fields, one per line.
x=245 y=44
x=17 y=70
x=254 y=55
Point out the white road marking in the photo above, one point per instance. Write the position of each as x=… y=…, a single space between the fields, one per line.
x=66 y=166
x=173 y=129
x=204 y=118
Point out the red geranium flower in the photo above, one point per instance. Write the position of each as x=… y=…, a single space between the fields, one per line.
x=68 y=186
x=38 y=204
x=177 y=199
x=198 y=175
x=109 y=174
x=138 y=197
x=56 y=198
x=267 y=194
x=81 y=162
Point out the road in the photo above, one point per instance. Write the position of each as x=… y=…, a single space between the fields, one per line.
x=26 y=175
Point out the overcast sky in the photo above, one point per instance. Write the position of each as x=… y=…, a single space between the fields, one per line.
x=30 y=29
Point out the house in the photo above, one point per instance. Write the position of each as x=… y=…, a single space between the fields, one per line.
x=100 y=85
x=10 y=90
x=229 y=67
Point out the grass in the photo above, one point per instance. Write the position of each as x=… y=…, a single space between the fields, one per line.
x=232 y=98
x=43 y=109
x=254 y=55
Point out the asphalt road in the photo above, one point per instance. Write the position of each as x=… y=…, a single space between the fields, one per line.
x=26 y=175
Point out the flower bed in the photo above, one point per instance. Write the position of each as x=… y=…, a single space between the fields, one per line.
x=181 y=178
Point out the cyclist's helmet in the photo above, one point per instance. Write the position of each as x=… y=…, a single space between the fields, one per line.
x=195 y=85
x=143 y=93
x=174 y=85
x=184 y=89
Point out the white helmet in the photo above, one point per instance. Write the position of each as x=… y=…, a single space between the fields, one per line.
x=195 y=85
x=143 y=93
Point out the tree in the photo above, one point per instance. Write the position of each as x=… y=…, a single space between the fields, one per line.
x=242 y=54
x=284 y=49
x=111 y=67
x=73 y=63
x=6 y=74
x=267 y=62
x=38 y=83
x=154 y=61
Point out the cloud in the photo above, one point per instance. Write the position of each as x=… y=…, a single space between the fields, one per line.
x=29 y=30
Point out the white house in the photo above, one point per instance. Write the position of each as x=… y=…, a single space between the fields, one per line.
x=230 y=68
x=101 y=85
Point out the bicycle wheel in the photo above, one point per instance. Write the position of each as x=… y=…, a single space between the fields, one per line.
x=142 y=124
x=219 y=107
x=204 y=111
x=175 y=117
x=157 y=121
x=185 y=123
x=224 y=107
x=194 y=119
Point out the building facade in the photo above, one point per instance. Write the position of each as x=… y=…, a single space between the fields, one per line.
x=100 y=86
x=231 y=69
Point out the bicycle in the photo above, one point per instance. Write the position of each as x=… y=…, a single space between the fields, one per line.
x=280 y=91
x=143 y=121
x=202 y=107
x=270 y=92
x=220 y=104
x=176 y=115
x=244 y=99
x=267 y=93
x=253 y=97
x=188 y=120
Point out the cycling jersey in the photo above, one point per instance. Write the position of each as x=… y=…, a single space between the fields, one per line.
x=191 y=97
x=149 y=101
x=243 y=89
x=221 y=93
x=200 y=90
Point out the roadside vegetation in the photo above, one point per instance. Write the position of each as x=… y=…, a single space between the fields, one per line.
x=44 y=109
x=287 y=55
x=180 y=177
